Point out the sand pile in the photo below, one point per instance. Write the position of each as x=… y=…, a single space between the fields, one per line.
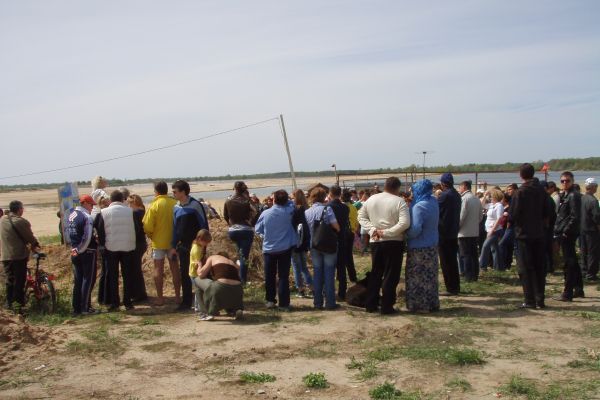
x=19 y=340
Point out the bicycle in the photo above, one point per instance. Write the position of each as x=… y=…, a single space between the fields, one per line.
x=39 y=286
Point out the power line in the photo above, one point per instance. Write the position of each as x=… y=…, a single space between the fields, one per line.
x=141 y=152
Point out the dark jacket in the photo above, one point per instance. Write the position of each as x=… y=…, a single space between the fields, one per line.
x=529 y=211
x=299 y=218
x=188 y=219
x=140 y=237
x=568 y=218
x=238 y=210
x=590 y=213
x=449 y=203
x=342 y=214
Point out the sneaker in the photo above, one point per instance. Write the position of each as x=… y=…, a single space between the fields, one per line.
x=285 y=309
x=578 y=293
x=562 y=298
x=91 y=311
x=270 y=305
x=239 y=314
x=183 y=308
x=206 y=317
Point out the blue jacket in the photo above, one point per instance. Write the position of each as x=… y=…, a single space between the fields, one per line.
x=423 y=231
x=80 y=230
x=275 y=225
x=188 y=219
x=449 y=203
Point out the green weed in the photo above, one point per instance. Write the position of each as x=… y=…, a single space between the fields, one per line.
x=316 y=380
x=253 y=377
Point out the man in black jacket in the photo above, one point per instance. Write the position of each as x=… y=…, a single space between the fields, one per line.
x=590 y=230
x=566 y=230
x=341 y=212
x=530 y=212
x=449 y=222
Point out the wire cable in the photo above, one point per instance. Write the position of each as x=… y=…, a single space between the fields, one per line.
x=142 y=152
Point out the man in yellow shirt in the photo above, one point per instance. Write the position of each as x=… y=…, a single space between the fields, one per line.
x=158 y=226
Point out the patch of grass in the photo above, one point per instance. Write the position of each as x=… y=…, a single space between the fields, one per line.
x=315 y=380
x=98 y=342
x=591 y=361
x=324 y=349
x=563 y=390
x=385 y=391
x=49 y=239
x=253 y=377
x=140 y=333
x=519 y=386
x=60 y=315
x=448 y=355
x=308 y=319
x=385 y=353
x=159 y=346
x=254 y=293
x=150 y=321
x=366 y=369
x=459 y=383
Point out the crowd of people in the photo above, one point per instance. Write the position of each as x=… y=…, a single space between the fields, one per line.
x=437 y=226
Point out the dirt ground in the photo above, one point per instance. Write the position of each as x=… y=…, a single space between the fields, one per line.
x=480 y=345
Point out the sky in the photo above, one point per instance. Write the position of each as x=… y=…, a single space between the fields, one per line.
x=362 y=84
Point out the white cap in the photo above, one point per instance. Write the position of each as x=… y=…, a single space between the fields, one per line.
x=591 y=182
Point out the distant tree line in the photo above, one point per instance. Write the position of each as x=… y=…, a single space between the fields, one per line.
x=561 y=164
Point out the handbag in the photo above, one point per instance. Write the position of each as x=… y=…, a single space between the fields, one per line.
x=324 y=237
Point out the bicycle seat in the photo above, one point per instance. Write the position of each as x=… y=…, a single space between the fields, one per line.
x=41 y=256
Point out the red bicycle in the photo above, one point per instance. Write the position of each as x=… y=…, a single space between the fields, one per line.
x=39 y=287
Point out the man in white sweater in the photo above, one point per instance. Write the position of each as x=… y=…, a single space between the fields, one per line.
x=116 y=232
x=471 y=214
x=385 y=216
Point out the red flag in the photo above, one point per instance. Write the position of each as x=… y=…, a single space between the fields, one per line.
x=546 y=167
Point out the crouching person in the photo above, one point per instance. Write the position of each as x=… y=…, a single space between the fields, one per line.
x=220 y=287
x=197 y=259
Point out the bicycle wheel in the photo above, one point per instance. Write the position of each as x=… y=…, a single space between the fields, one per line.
x=46 y=295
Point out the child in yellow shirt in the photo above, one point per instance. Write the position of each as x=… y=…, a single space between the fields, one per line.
x=197 y=258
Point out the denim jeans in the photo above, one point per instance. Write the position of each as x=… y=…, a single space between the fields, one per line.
x=243 y=240
x=278 y=266
x=302 y=276
x=324 y=278
x=491 y=246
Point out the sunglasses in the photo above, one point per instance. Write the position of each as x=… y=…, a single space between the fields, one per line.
x=565 y=180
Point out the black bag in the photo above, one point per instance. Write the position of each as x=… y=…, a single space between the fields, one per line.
x=324 y=237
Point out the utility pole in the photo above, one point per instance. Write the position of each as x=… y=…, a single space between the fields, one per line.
x=337 y=177
x=287 y=149
x=424 y=152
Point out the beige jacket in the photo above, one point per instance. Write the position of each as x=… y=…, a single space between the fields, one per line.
x=12 y=247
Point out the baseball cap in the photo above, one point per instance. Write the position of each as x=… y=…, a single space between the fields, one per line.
x=86 y=198
x=590 y=182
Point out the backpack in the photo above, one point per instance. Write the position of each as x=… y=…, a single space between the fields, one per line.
x=324 y=237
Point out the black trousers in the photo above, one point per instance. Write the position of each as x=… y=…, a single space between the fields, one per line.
x=83 y=268
x=15 y=272
x=467 y=249
x=340 y=268
x=549 y=250
x=349 y=245
x=448 y=249
x=590 y=253
x=114 y=259
x=278 y=266
x=183 y=252
x=386 y=259
x=532 y=270
x=137 y=276
x=573 y=278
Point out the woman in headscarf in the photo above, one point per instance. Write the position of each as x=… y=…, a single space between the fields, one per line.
x=422 y=259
